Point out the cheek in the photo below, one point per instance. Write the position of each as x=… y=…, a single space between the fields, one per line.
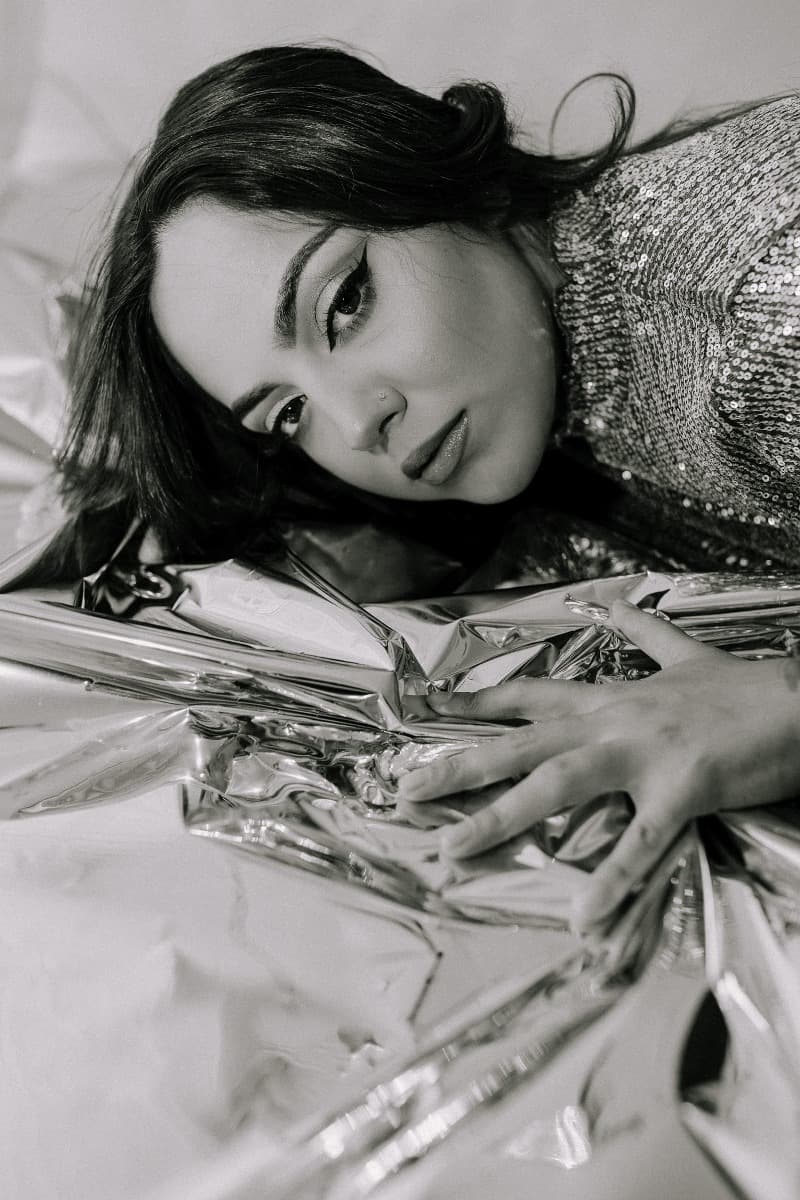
x=468 y=345
x=434 y=327
x=371 y=473
x=329 y=450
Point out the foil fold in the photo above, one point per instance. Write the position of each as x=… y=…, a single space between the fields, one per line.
x=682 y=1018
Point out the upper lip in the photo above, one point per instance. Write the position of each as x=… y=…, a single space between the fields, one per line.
x=415 y=464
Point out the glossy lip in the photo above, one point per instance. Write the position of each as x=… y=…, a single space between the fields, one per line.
x=450 y=441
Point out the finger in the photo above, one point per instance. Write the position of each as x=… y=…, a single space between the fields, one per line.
x=560 y=782
x=657 y=822
x=665 y=643
x=531 y=699
x=497 y=758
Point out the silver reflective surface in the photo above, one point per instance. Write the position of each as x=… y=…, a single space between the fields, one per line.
x=683 y=1019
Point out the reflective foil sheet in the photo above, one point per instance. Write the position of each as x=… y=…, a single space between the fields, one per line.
x=288 y=714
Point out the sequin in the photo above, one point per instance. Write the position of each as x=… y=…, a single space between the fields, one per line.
x=684 y=331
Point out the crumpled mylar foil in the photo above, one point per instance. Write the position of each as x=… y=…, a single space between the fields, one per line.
x=288 y=714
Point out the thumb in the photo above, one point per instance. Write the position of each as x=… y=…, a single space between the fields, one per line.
x=528 y=699
x=664 y=642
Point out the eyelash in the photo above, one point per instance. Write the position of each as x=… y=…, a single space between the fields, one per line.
x=280 y=417
x=360 y=278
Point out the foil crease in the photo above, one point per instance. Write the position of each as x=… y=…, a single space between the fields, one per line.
x=676 y=1029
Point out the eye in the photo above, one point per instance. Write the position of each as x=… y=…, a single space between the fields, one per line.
x=352 y=301
x=285 y=420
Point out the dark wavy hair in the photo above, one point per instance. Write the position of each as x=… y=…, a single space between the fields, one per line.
x=311 y=132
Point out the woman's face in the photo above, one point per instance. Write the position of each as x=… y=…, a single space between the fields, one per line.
x=418 y=365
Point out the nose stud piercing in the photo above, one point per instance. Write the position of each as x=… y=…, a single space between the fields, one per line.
x=381 y=395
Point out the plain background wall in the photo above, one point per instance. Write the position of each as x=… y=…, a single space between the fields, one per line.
x=118 y=61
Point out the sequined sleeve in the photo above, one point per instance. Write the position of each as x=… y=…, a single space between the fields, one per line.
x=681 y=315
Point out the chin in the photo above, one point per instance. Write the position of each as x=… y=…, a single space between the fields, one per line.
x=495 y=487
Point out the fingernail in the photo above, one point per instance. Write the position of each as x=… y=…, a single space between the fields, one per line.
x=457 y=837
x=413 y=792
x=581 y=916
x=410 y=785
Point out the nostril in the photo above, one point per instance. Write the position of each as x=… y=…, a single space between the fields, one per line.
x=385 y=423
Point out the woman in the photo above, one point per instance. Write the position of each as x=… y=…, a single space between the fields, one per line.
x=320 y=274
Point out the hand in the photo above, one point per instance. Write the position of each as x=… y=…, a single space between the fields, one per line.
x=708 y=731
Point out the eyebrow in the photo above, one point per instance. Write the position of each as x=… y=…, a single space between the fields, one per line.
x=285 y=316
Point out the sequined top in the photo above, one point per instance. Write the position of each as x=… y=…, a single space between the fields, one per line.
x=681 y=316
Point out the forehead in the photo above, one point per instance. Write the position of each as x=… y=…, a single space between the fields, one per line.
x=214 y=289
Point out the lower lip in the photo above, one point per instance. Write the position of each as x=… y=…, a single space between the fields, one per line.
x=447 y=458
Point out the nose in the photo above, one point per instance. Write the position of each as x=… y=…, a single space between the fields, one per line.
x=364 y=416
